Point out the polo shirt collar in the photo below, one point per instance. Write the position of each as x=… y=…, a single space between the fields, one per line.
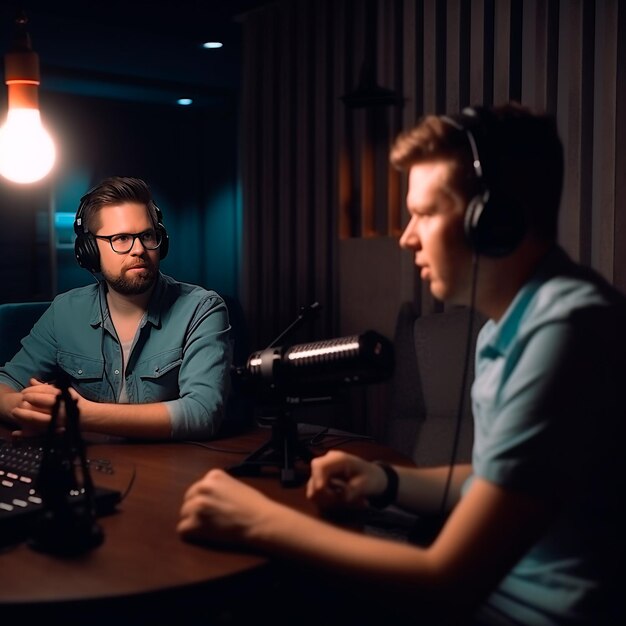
x=503 y=332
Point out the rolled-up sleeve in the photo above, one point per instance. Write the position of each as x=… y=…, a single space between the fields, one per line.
x=181 y=355
x=36 y=358
x=204 y=375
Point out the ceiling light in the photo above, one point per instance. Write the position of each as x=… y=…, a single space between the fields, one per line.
x=27 y=152
x=184 y=101
x=211 y=45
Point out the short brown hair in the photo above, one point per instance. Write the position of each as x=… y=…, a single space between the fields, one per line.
x=115 y=190
x=520 y=152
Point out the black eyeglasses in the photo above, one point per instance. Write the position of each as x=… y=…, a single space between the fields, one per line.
x=124 y=242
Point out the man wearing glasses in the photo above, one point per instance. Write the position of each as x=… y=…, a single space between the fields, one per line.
x=146 y=356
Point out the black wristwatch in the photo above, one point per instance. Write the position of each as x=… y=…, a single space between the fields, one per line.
x=390 y=494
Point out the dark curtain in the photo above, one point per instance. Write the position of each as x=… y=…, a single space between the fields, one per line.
x=289 y=169
x=317 y=188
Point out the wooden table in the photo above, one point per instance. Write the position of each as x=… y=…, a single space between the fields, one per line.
x=143 y=562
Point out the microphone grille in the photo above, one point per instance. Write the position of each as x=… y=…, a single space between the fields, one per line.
x=345 y=360
x=326 y=351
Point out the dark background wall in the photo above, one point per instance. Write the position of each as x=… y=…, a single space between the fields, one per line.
x=320 y=209
x=329 y=85
x=188 y=157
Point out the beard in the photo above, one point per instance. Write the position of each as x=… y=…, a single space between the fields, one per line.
x=132 y=285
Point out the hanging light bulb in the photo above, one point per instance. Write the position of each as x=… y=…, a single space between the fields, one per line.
x=27 y=152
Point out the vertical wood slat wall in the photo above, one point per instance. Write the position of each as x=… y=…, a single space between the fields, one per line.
x=315 y=171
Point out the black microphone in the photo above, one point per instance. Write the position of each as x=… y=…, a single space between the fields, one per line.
x=354 y=359
x=286 y=377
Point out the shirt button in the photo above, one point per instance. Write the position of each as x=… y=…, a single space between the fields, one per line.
x=117 y=372
x=80 y=371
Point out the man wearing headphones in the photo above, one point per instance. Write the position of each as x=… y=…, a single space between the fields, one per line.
x=534 y=525
x=146 y=356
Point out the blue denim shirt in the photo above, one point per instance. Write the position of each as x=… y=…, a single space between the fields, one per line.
x=181 y=354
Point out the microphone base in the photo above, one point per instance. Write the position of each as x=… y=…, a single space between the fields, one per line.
x=282 y=450
x=65 y=534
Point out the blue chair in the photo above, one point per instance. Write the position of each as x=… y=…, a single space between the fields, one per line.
x=16 y=320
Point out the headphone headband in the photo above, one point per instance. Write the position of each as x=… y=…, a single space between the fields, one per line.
x=494 y=221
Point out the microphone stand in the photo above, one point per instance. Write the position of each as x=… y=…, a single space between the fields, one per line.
x=283 y=448
x=305 y=313
x=68 y=524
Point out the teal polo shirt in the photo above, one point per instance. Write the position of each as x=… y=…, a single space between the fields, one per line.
x=181 y=354
x=549 y=412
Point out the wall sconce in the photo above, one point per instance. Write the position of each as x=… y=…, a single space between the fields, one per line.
x=27 y=152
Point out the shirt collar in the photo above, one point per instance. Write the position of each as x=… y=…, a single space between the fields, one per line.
x=155 y=303
x=99 y=310
x=502 y=333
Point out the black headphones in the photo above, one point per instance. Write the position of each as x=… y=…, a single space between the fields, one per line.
x=494 y=221
x=86 y=248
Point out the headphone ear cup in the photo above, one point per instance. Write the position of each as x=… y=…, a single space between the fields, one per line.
x=494 y=226
x=86 y=252
x=85 y=246
x=165 y=241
